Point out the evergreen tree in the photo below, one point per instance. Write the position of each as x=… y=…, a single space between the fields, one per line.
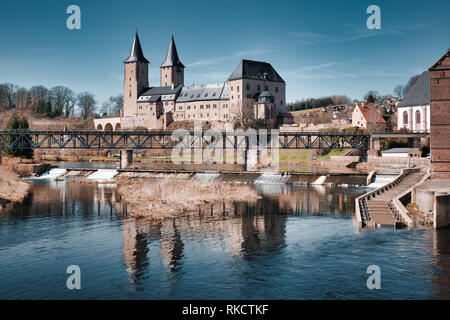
x=16 y=123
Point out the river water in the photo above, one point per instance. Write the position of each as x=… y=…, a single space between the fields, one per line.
x=295 y=243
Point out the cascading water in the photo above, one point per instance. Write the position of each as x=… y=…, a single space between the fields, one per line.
x=272 y=178
x=381 y=180
x=320 y=180
x=205 y=176
x=52 y=174
x=103 y=175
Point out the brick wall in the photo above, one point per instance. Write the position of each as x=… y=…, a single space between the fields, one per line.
x=440 y=117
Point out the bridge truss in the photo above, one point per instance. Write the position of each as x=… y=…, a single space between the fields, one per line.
x=141 y=140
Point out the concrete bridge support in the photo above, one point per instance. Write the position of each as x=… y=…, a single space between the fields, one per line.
x=375 y=147
x=126 y=159
x=251 y=160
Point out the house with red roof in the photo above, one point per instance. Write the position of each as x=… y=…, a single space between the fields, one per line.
x=366 y=116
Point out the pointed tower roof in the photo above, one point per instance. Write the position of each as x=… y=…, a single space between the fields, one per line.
x=172 y=56
x=136 y=54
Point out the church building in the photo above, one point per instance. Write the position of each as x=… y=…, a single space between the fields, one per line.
x=254 y=89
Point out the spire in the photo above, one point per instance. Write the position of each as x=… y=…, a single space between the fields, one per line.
x=172 y=56
x=136 y=54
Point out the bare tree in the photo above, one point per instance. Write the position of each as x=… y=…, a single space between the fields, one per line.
x=245 y=115
x=39 y=96
x=86 y=102
x=399 y=90
x=62 y=100
x=8 y=95
x=410 y=83
x=21 y=98
x=112 y=106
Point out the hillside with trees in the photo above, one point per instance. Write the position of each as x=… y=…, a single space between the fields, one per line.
x=312 y=103
x=59 y=101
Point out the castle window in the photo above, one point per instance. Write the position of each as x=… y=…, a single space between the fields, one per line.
x=214 y=106
x=237 y=88
x=231 y=88
x=201 y=106
x=130 y=93
x=266 y=88
x=248 y=86
x=208 y=106
x=405 y=118
x=281 y=102
x=258 y=88
x=188 y=107
x=206 y=94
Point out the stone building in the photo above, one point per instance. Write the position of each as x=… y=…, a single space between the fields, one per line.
x=440 y=117
x=254 y=86
x=413 y=112
x=366 y=116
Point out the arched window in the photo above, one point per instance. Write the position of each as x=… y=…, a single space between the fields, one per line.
x=405 y=118
x=417 y=119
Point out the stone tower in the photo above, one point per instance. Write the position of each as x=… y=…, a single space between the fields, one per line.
x=172 y=70
x=135 y=78
x=440 y=117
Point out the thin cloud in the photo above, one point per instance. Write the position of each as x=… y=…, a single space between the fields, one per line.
x=238 y=54
x=352 y=33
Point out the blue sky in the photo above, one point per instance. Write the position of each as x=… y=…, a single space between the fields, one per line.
x=319 y=47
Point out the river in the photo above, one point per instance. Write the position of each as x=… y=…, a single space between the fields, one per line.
x=295 y=243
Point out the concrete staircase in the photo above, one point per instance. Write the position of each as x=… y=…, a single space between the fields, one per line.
x=377 y=209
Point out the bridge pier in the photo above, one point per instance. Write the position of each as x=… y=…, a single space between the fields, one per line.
x=126 y=159
x=375 y=146
x=252 y=157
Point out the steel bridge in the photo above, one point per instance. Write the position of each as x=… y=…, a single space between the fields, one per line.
x=141 y=140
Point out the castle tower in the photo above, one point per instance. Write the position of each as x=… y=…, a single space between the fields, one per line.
x=172 y=70
x=135 y=78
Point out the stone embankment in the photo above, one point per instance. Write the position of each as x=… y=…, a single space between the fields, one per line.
x=12 y=188
x=382 y=207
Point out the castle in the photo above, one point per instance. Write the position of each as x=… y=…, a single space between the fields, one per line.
x=253 y=90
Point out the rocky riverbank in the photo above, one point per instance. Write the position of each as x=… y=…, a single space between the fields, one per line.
x=12 y=188
x=159 y=198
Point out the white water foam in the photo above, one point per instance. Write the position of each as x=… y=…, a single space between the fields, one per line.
x=205 y=176
x=52 y=174
x=103 y=174
x=272 y=178
x=320 y=180
x=381 y=180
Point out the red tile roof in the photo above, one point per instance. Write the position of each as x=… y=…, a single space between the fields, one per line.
x=370 y=113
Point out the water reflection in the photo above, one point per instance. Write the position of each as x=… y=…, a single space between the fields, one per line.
x=441 y=250
x=293 y=243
